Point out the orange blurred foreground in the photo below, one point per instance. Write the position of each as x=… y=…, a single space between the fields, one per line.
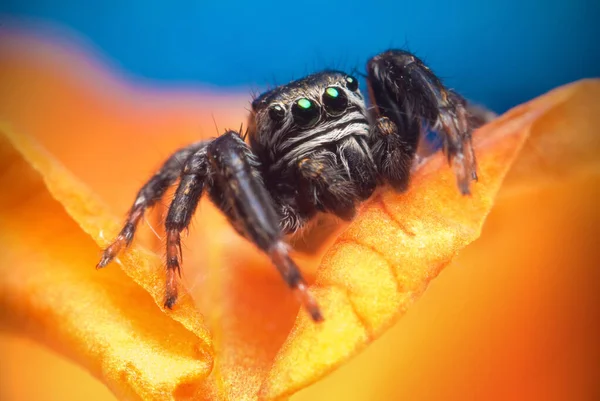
x=512 y=317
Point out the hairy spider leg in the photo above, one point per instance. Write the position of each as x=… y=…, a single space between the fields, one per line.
x=393 y=153
x=239 y=191
x=407 y=93
x=193 y=177
x=228 y=168
x=470 y=118
x=152 y=191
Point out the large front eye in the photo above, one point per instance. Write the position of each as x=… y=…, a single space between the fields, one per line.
x=351 y=83
x=335 y=100
x=305 y=112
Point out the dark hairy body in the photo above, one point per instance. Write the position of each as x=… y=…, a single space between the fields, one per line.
x=312 y=147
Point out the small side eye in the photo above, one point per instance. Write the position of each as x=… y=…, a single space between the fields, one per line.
x=276 y=113
x=305 y=112
x=351 y=83
x=335 y=100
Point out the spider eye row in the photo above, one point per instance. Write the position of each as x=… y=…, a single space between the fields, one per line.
x=306 y=113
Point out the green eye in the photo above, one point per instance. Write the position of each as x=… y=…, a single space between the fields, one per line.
x=304 y=103
x=332 y=92
x=305 y=112
x=335 y=100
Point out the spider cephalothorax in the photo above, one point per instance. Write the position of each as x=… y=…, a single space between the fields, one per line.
x=311 y=137
x=313 y=146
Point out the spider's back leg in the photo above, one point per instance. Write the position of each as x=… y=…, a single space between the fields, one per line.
x=409 y=96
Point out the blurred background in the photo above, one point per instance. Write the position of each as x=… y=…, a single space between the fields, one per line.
x=496 y=52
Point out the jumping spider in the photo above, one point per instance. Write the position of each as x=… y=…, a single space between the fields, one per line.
x=313 y=146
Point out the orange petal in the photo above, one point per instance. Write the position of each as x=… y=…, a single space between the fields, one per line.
x=386 y=258
x=513 y=317
x=246 y=304
x=51 y=291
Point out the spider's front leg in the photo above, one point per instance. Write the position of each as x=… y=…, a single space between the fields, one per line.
x=228 y=167
x=408 y=96
x=193 y=177
x=148 y=195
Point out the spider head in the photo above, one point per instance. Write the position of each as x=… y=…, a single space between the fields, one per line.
x=305 y=114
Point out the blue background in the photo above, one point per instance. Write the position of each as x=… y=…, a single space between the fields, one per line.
x=499 y=52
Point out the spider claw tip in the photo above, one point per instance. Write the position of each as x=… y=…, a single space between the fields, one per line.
x=316 y=315
x=103 y=262
x=169 y=304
